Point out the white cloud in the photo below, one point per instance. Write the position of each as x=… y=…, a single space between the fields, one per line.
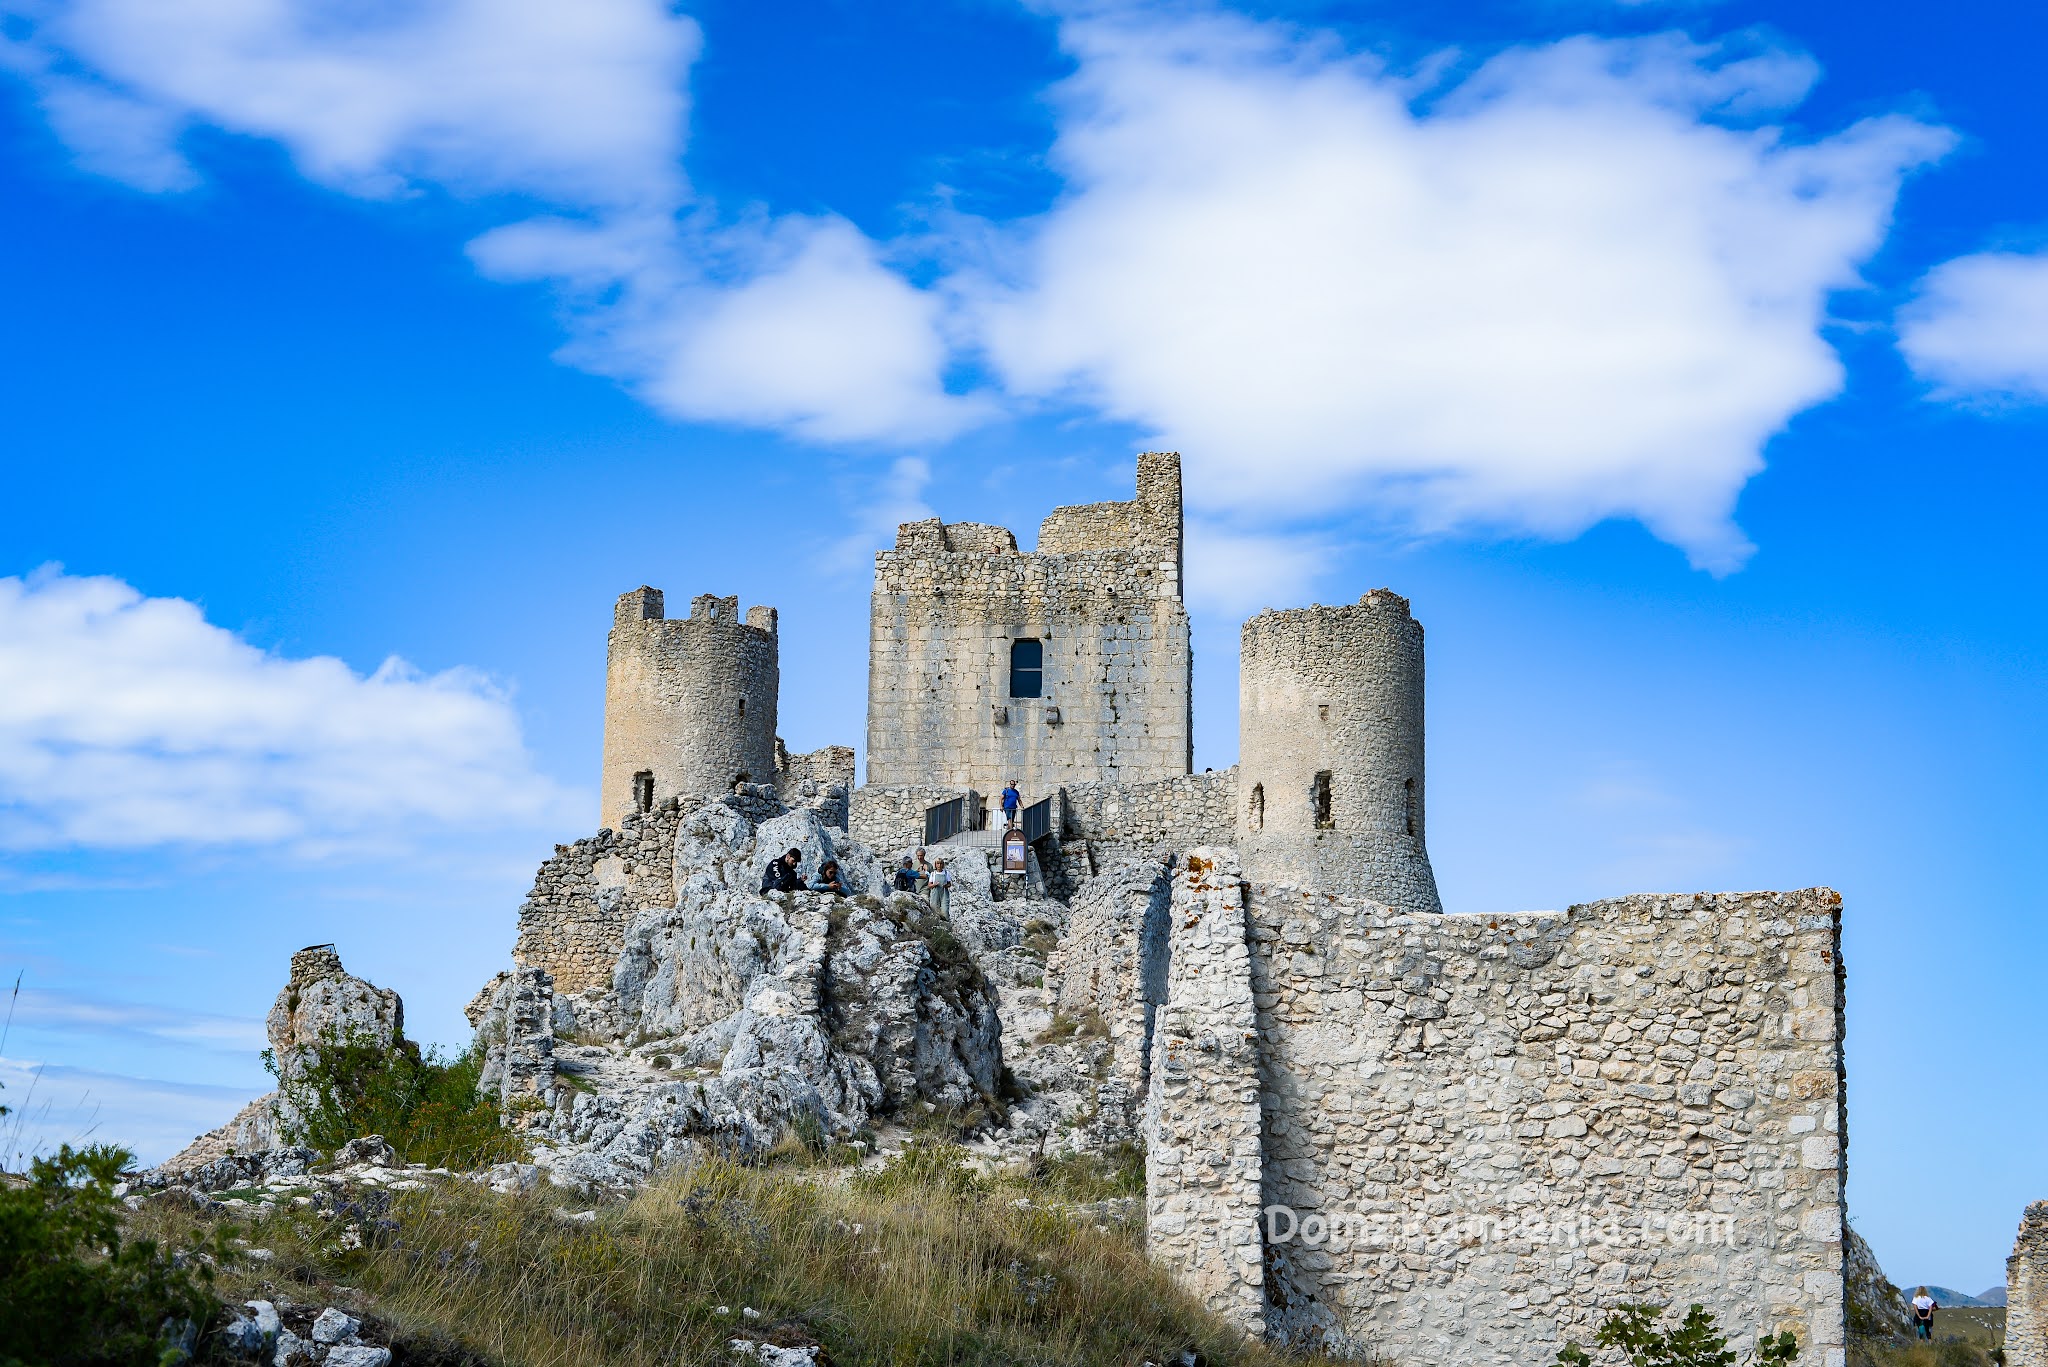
x=1978 y=326
x=794 y=324
x=42 y=1009
x=1578 y=285
x=1590 y=279
x=128 y=721
x=1235 y=572
x=580 y=104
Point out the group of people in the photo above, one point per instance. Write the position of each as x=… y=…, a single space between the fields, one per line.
x=934 y=880
x=785 y=874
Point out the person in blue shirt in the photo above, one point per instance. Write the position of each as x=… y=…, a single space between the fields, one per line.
x=1011 y=802
x=830 y=880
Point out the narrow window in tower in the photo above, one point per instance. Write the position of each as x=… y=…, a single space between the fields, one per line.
x=1325 y=821
x=643 y=790
x=743 y=707
x=1027 y=668
x=1408 y=802
x=1258 y=807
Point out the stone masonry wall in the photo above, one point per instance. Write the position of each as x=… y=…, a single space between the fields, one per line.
x=1112 y=962
x=1123 y=821
x=949 y=602
x=1487 y=1129
x=2026 y=1292
x=573 y=923
x=891 y=820
x=1202 y=1154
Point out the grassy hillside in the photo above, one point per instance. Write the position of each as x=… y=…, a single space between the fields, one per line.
x=1964 y=1336
x=917 y=1265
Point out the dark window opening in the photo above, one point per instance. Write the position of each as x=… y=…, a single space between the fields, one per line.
x=1258 y=807
x=1027 y=669
x=643 y=790
x=1325 y=821
x=1408 y=800
x=743 y=707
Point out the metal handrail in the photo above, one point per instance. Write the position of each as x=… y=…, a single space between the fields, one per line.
x=1037 y=821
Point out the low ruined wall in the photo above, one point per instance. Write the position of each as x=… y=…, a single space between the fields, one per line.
x=1480 y=1132
x=573 y=922
x=2026 y=1292
x=890 y=820
x=1135 y=820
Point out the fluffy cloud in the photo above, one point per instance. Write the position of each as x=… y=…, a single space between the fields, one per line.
x=1585 y=282
x=1978 y=325
x=56 y=1105
x=128 y=721
x=579 y=104
x=1588 y=279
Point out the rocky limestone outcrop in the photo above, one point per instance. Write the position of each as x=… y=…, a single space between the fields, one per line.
x=1874 y=1307
x=734 y=1017
x=321 y=1000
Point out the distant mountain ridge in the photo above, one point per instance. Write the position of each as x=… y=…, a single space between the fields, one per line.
x=1944 y=1296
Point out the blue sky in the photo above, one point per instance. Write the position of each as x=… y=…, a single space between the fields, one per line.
x=1683 y=364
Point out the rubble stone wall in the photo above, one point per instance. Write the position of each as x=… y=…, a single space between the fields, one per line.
x=890 y=820
x=1138 y=820
x=950 y=600
x=2026 y=1292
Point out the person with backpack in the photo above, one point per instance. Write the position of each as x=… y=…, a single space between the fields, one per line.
x=1923 y=1313
x=1011 y=802
x=906 y=875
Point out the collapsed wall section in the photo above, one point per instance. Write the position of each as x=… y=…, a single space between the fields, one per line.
x=1203 y=1163
x=2026 y=1292
x=1066 y=665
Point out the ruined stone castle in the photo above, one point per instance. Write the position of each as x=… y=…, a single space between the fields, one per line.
x=1370 y=1126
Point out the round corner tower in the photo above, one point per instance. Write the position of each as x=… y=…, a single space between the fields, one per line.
x=689 y=703
x=1330 y=792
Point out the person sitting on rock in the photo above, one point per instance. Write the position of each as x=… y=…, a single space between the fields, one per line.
x=906 y=876
x=782 y=875
x=830 y=880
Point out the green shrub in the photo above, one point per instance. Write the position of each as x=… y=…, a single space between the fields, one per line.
x=922 y=1167
x=427 y=1108
x=73 y=1291
x=1692 y=1342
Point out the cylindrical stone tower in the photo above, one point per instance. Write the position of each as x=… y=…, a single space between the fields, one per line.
x=689 y=705
x=1330 y=752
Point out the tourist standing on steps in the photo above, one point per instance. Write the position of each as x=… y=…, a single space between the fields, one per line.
x=1011 y=802
x=1923 y=1313
x=942 y=888
x=782 y=874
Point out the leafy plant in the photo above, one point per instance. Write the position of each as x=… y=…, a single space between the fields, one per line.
x=1693 y=1342
x=427 y=1107
x=73 y=1291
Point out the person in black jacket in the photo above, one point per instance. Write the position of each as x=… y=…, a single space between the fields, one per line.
x=784 y=874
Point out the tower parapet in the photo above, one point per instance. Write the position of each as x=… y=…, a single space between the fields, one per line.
x=690 y=703
x=1330 y=778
